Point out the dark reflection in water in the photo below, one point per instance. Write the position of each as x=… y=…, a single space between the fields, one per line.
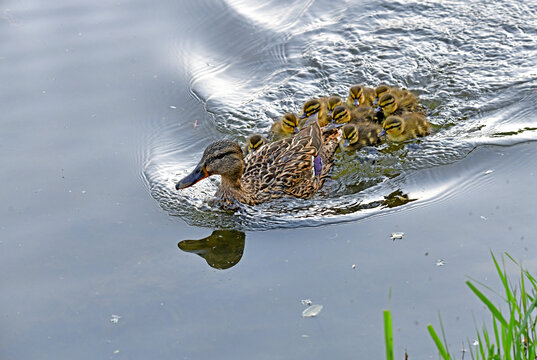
x=396 y=198
x=222 y=249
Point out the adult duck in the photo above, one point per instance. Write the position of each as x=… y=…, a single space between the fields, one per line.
x=296 y=166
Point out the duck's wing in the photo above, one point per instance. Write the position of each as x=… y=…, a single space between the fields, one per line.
x=283 y=166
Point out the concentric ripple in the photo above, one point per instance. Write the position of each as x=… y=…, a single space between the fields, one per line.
x=475 y=72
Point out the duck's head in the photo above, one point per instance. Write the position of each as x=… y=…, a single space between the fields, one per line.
x=333 y=101
x=310 y=107
x=393 y=126
x=355 y=93
x=349 y=135
x=223 y=157
x=379 y=91
x=255 y=141
x=387 y=104
x=341 y=114
x=289 y=123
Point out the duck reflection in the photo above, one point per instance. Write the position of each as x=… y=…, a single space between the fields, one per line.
x=396 y=198
x=222 y=249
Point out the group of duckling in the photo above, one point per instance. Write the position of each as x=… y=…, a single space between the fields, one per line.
x=365 y=118
x=297 y=156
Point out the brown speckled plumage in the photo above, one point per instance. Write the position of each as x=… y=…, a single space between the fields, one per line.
x=281 y=168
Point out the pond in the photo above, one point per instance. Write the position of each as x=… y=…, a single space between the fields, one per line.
x=106 y=105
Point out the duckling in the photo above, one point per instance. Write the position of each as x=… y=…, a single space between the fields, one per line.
x=315 y=106
x=405 y=127
x=253 y=143
x=343 y=115
x=406 y=99
x=387 y=105
x=360 y=95
x=295 y=166
x=285 y=127
x=332 y=102
x=356 y=136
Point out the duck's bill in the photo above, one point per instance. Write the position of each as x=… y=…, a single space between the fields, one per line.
x=346 y=143
x=199 y=173
x=382 y=133
x=355 y=102
x=376 y=102
x=303 y=116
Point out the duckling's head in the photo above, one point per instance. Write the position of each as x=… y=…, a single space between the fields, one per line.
x=333 y=101
x=393 y=126
x=387 y=104
x=289 y=123
x=350 y=135
x=223 y=157
x=355 y=93
x=255 y=142
x=379 y=91
x=310 y=107
x=341 y=114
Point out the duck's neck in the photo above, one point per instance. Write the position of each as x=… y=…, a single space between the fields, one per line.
x=231 y=191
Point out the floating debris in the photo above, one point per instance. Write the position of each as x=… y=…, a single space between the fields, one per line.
x=475 y=343
x=483 y=218
x=173 y=107
x=397 y=235
x=305 y=336
x=312 y=311
x=440 y=262
x=306 y=302
x=114 y=319
x=489 y=172
x=116 y=351
x=353 y=266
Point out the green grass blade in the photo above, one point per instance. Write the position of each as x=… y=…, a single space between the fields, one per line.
x=496 y=334
x=487 y=302
x=438 y=343
x=388 y=334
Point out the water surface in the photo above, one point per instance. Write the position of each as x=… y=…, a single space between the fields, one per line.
x=105 y=106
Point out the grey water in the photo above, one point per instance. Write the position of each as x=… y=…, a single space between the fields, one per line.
x=105 y=105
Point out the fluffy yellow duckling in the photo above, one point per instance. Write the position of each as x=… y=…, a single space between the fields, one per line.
x=360 y=95
x=253 y=143
x=389 y=105
x=343 y=115
x=405 y=99
x=332 y=102
x=356 y=136
x=315 y=106
x=405 y=127
x=285 y=127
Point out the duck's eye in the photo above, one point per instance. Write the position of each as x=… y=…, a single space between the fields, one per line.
x=223 y=155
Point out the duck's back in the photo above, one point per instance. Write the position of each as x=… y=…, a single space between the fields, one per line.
x=286 y=167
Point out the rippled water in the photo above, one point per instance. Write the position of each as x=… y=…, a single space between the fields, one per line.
x=472 y=64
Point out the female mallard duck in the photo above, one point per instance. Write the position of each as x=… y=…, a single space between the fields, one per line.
x=356 y=136
x=360 y=95
x=315 y=106
x=332 y=102
x=296 y=166
x=285 y=127
x=343 y=115
x=253 y=143
x=405 y=127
